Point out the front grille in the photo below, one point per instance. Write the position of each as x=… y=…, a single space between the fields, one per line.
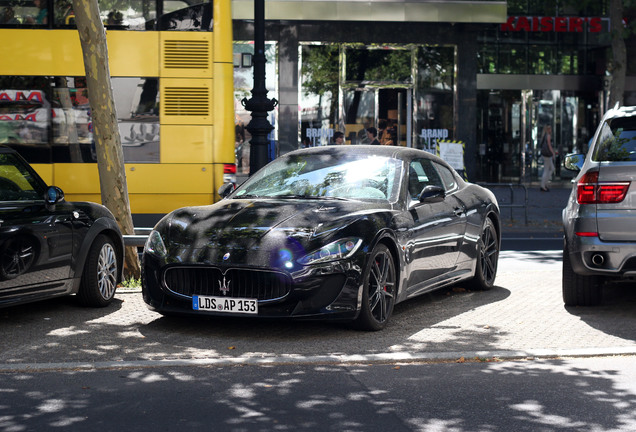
x=211 y=281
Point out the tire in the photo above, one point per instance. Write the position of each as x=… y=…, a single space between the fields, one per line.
x=17 y=255
x=579 y=290
x=99 y=279
x=487 y=258
x=379 y=290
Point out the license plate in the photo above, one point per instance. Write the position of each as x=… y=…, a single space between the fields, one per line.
x=225 y=304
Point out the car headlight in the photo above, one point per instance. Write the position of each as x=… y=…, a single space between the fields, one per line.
x=154 y=245
x=337 y=250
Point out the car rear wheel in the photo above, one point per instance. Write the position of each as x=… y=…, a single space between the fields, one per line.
x=579 y=290
x=379 y=289
x=99 y=280
x=487 y=258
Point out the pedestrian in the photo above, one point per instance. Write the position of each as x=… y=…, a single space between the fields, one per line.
x=388 y=135
x=547 y=152
x=338 y=138
x=372 y=136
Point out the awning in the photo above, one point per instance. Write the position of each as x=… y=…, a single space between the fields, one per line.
x=452 y=11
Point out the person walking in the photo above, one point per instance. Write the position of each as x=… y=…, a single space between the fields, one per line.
x=547 y=152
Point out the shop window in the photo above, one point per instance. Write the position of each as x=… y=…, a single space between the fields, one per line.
x=434 y=96
x=543 y=59
x=319 y=93
x=365 y=65
x=568 y=61
x=243 y=85
x=513 y=59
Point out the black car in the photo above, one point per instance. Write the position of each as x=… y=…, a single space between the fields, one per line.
x=50 y=247
x=338 y=232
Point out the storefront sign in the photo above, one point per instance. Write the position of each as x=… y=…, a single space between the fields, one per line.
x=432 y=136
x=552 y=24
x=315 y=134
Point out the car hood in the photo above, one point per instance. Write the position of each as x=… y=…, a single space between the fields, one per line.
x=265 y=232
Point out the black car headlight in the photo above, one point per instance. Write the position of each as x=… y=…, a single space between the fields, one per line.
x=154 y=245
x=337 y=250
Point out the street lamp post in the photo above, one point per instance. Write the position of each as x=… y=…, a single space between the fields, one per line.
x=259 y=105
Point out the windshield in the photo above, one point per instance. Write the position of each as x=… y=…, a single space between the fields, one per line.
x=325 y=175
x=617 y=141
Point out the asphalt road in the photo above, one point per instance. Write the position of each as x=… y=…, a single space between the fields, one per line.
x=588 y=394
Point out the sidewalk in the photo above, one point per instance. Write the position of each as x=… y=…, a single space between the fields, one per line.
x=543 y=208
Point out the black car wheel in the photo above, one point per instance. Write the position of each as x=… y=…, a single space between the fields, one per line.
x=16 y=257
x=487 y=258
x=99 y=280
x=378 y=296
x=579 y=290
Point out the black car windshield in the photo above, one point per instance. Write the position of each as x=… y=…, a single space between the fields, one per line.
x=318 y=175
x=617 y=141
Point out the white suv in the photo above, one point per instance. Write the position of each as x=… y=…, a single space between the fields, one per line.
x=599 y=221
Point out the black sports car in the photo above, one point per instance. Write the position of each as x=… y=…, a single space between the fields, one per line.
x=50 y=247
x=340 y=232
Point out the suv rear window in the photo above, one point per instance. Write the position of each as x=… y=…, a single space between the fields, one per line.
x=616 y=141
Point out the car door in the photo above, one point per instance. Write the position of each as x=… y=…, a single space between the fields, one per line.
x=36 y=239
x=434 y=237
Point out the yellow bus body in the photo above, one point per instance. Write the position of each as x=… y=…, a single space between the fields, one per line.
x=194 y=144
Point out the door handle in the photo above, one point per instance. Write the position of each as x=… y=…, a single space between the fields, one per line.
x=459 y=211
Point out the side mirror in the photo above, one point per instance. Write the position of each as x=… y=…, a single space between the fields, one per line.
x=432 y=194
x=574 y=161
x=226 y=189
x=53 y=195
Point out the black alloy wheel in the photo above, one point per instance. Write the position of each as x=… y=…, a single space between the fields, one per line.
x=16 y=257
x=379 y=290
x=487 y=258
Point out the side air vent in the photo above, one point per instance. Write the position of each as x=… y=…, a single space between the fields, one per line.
x=186 y=54
x=186 y=101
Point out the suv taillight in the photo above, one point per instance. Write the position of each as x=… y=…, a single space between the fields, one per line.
x=229 y=173
x=590 y=191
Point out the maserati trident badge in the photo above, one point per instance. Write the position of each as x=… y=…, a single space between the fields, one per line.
x=226 y=256
x=224 y=286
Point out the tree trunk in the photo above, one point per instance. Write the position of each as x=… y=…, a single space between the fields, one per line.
x=110 y=157
x=619 y=54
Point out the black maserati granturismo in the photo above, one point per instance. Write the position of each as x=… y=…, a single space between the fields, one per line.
x=335 y=232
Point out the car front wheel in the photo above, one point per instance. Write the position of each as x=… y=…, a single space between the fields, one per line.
x=99 y=279
x=379 y=290
x=579 y=290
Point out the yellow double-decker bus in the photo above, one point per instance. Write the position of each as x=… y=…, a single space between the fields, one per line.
x=172 y=76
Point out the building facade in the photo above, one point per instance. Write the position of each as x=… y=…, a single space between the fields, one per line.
x=490 y=74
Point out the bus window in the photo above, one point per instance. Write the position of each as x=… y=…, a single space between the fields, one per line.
x=24 y=116
x=187 y=15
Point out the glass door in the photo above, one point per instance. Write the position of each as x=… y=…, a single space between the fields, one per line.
x=363 y=108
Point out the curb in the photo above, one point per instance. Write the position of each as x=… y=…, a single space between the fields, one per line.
x=387 y=358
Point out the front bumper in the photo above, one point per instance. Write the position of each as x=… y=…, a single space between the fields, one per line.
x=327 y=291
